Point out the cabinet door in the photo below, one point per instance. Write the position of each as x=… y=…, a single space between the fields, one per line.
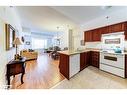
x=96 y=35
x=82 y=61
x=88 y=54
x=116 y=27
x=74 y=64
x=125 y=66
x=104 y=30
x=125 y=33
x=88 y=36
x=64 y=65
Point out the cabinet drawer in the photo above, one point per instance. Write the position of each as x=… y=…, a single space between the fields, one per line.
x=15 y=69
x=95 y=58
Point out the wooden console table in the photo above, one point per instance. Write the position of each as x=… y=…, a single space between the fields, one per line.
x=15 y=67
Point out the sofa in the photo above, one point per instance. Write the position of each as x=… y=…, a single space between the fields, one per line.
x=29 y=54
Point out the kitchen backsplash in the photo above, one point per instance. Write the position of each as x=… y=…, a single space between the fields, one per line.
x=93 y=45
x=98 y=45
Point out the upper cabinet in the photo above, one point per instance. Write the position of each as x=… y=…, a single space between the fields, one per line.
x=117 y=27
x=95 y=34
x=104 y=30
x=125 y=33
x=88 y=36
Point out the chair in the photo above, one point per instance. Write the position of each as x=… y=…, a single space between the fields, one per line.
x=54 y=54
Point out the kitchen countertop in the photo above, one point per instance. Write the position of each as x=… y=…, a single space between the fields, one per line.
x=72 y=52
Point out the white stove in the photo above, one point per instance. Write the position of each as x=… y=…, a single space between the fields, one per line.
x=113 y=63
x=109 y=60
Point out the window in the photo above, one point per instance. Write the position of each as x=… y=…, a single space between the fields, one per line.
x=39 y=43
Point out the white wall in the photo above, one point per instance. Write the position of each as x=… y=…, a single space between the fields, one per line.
x=77 y=33
x=114 y=17
x=7 y=15
x=64 y=38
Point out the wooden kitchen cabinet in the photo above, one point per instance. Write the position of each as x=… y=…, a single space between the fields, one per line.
x=84 y=60
x=125 y=33
x=69 y=65
x=116 y=27
x=95 y=58
x=104 y=30
x=96 y=35
x=125 y=66
x=88 y=36
x=64 y=65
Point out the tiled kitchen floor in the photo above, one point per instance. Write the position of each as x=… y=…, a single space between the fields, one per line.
x=93 y=78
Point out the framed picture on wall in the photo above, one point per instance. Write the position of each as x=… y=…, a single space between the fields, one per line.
x=10 y=36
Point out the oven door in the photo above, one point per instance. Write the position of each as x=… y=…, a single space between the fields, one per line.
x=115 y=60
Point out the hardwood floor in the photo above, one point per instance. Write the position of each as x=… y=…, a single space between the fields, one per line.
x=40 y=74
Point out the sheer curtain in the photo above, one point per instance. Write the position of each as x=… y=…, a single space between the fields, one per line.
x=38 y=43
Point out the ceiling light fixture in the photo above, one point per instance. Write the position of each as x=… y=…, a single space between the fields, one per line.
x=106 y=7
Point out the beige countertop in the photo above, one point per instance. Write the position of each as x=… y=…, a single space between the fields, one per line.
x=72 y=52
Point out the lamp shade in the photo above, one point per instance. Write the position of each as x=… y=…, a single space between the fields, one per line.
x=17 y=41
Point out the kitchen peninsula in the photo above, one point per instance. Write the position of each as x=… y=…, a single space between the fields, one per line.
x=72 y=62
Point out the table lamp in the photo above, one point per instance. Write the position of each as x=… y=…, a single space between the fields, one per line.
x=17 y=42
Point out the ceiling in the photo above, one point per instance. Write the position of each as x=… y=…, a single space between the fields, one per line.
x=46 y=19
x=43 y=18
x=82 y=14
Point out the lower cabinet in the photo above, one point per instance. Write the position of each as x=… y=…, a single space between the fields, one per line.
x=125 y=66
x=95 y=59
x=64 y=65
x=84 y=60
x=69 y=65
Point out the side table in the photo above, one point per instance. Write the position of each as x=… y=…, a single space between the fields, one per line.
x=15 y=67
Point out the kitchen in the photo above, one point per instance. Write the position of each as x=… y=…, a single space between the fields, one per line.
x=110 y=58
